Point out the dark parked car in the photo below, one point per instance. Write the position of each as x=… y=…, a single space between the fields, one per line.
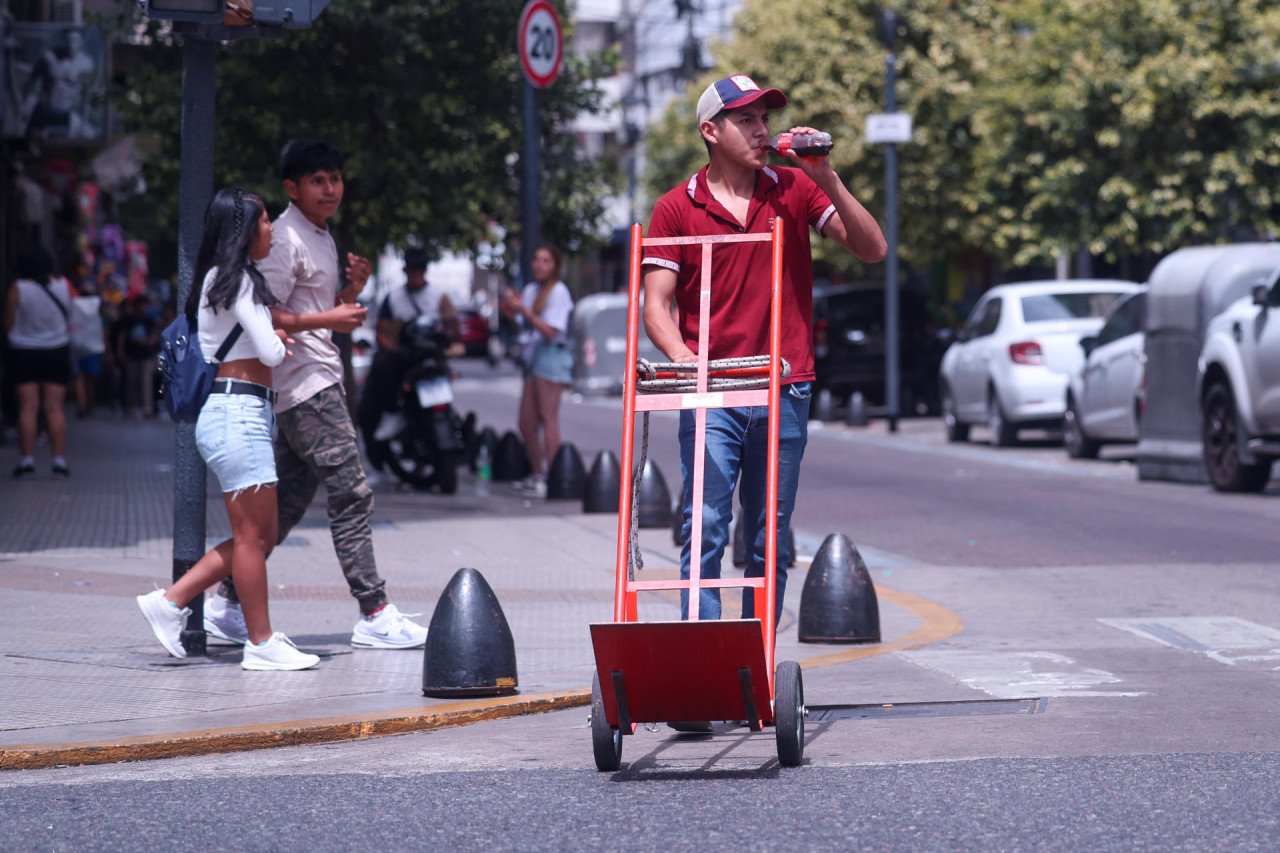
x=849 y=346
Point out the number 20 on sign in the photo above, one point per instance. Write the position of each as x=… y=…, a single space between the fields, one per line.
x=541 y=43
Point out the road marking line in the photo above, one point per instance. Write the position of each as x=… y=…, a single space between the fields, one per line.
x=1225 y=639
x=1014 y=675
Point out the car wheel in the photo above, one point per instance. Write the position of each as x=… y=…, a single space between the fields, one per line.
x=1003 y=433
x=956 y=431
x=1219 y=432
x=1079 y=445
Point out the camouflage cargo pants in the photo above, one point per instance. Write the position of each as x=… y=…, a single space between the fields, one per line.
x=316 y=443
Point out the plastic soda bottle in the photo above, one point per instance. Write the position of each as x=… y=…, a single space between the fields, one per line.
x=484 y=470
x=804 y=144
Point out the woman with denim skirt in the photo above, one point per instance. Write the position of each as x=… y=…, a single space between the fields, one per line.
x=233 y=431
x=545 y=308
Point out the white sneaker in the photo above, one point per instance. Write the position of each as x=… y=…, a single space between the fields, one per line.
x=391 y=424
x=224 y=620
x=166 y=620
x=390 y=629
x=535 y=486
x=277 y=654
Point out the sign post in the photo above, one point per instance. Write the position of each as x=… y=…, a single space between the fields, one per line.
x=890 y=128
x=541 y=43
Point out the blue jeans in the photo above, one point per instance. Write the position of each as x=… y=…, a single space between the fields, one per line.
x=738 y=444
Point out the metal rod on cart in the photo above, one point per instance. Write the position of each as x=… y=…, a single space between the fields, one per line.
x=624 y=602
x=771 y=479
x=700 y=437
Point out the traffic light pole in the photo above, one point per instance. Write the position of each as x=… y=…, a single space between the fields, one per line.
x=195 y=189
x=892 y=377
x=529 y=183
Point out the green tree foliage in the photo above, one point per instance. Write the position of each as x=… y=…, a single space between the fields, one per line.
x=1129 y=127
x=829 y=57
x=423 y=98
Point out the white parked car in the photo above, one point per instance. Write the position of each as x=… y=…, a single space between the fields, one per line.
x=1105 y=399
x=1010 y=364
x=1239 y=390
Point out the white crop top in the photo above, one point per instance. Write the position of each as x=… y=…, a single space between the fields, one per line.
x=258 y=340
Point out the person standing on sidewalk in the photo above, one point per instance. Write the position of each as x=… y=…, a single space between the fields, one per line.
x=737 y=192
x=136 y=343
x=233 y=431
x=544 y=308
x=36 y=318
x=315 y=439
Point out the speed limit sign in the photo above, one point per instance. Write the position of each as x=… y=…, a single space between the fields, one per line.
x=541 y=43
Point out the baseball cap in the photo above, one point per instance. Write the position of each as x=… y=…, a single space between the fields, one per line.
x=736 y=90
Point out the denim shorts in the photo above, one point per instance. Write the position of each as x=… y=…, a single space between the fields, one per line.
x=233 y=434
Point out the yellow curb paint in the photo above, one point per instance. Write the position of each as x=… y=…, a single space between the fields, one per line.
x=293 y=733
x=936 y=623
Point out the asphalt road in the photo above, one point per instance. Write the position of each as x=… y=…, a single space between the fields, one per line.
x=1113 y=688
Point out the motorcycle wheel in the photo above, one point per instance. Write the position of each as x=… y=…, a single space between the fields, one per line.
x=409 y=465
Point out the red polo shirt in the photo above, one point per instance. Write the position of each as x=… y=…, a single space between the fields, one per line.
x=741 y=272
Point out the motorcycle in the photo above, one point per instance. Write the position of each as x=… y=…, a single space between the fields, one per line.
x=427 y=448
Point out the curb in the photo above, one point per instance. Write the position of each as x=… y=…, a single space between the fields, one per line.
x=937 y=623
x=294 y=733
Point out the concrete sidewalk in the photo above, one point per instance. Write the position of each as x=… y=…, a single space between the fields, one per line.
x=82 y=679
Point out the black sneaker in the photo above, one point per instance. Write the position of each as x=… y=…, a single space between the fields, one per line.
x=60 y=470
x=24 y=471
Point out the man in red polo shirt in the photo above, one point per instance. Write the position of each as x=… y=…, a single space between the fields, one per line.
x=737 y=192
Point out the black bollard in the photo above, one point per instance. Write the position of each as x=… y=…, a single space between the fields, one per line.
x=567 y=477
x=654 y=500
x=470 y=650
x=824 y=407
x=856 y=415
x=838 y=603
x=511 y=462
x=603 y=483
x=470 y=441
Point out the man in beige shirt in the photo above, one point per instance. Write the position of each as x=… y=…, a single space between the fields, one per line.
x=315 y=439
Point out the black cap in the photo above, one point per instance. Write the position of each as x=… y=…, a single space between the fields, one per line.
x=416 y=259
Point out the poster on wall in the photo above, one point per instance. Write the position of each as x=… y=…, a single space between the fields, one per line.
x=56 y=82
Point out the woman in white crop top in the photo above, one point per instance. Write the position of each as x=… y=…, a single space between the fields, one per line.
x=233 y=431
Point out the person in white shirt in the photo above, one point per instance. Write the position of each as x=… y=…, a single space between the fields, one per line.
x=230 y=299
x=36 y=319
x=545 y=308
x=315 y=439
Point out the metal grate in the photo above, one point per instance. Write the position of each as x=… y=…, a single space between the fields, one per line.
x=965 y=708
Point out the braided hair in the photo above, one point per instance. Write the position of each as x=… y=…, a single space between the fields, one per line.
x=230 y=228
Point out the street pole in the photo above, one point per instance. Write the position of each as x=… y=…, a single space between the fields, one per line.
x=195 y=188
x=891 y=371
x=529 y=188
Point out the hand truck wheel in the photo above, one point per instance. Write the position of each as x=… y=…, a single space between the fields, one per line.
x=605 y=741
x=788 y=710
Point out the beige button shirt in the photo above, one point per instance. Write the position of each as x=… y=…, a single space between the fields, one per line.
x=303 y=273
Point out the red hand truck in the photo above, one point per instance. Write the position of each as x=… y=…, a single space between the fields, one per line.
x=659 y=672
